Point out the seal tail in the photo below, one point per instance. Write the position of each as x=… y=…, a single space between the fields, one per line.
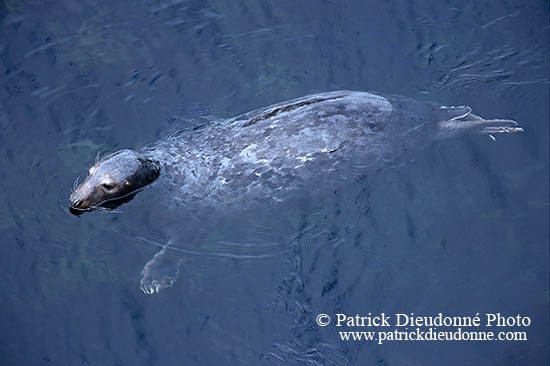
x=462 y=120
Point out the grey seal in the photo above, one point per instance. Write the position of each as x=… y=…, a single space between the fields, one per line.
x=268 y=152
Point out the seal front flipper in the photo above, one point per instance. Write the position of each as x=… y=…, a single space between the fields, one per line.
x=160 y=272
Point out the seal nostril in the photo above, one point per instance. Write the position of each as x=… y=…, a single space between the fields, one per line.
x=75 y=206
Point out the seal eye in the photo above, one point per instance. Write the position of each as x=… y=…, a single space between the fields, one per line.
x=108 y=186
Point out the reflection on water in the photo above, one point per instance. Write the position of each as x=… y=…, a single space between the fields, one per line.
x=460 y=227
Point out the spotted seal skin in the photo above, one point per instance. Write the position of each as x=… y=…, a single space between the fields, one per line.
x=269 y=151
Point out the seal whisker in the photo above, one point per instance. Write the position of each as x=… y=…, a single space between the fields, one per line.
x=75 y=184
x=105 y=209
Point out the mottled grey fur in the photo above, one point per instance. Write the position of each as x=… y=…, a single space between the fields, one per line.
x=270 y=151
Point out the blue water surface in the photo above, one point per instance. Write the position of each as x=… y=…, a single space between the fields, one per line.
x=458 y=227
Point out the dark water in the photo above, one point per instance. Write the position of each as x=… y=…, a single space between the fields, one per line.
x=458 y=227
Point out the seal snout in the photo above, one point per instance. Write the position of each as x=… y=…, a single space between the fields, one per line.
x=76 y=204
x=75 y=200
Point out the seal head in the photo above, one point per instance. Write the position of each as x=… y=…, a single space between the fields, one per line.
x=112 y=181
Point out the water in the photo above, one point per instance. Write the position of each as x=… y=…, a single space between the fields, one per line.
x=459 y=227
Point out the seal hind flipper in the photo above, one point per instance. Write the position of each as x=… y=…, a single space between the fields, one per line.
x=464 y=121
